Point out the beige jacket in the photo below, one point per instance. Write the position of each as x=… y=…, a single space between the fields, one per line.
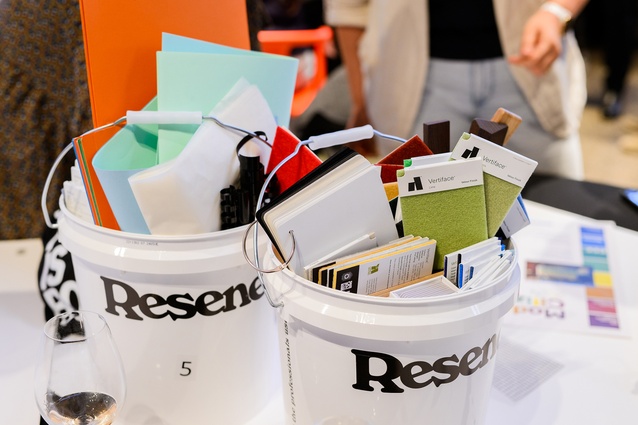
x=394 y=55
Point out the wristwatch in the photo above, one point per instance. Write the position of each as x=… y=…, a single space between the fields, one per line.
x=562 y=13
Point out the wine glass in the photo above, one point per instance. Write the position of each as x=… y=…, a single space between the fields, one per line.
x=79 y=378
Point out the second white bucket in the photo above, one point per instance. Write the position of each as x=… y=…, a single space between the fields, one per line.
x=190 y=318
x=348 y=359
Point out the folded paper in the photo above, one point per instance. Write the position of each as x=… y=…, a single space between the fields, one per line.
x=182 y=196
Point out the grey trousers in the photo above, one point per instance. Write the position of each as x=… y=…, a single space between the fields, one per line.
x=460 y=91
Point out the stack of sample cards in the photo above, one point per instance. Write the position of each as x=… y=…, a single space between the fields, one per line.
x=373 y=270
x=460 y=265
x=432 y=287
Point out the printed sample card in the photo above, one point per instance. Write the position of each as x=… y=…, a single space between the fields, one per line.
x=434 y=287
x=444 y=201
x=506 y=173
x=323 y=272
x=568 y=281
x=397 y=265
x=453 y=259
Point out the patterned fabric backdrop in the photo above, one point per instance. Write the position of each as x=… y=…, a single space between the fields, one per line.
x=44 y=102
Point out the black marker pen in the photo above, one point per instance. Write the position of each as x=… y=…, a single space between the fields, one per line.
x=251 y=178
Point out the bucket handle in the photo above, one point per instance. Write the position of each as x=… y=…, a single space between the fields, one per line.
x=141 y=117
x=47 y=184
x=255 y=265
x=314 y=142
x=56 y=163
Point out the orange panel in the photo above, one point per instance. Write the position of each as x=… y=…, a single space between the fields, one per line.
x=121 y=38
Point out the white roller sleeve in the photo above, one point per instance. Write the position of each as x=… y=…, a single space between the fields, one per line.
x=340 y=137
x=161 y=117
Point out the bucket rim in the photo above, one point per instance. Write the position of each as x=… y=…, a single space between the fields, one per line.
x=412 y=302
x=196 y=237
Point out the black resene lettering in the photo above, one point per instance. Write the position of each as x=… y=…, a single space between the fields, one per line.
x=418 y=374
x=121 y=298
x=393 y=369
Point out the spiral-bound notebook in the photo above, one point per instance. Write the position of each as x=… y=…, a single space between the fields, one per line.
x=337 y=203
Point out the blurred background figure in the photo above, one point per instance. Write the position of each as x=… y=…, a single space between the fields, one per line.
x=459 y=60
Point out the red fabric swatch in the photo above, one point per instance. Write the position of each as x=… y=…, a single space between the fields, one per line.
x=389 y=172
x=393 y=161
x=298 y=166
x=413 y=148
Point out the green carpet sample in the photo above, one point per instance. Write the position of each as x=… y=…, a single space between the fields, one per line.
x=499 y=197
x=455 y=218
x=504 y=175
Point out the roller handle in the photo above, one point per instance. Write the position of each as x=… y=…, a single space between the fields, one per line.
x=155 y=117
x=340 y=137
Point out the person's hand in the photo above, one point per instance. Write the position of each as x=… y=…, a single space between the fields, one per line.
x=358 y=116
x=541 y=43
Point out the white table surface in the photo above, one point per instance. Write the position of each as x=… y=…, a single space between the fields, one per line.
x=598 y=383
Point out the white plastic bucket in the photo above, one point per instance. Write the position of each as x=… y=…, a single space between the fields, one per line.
x=195 y=331
x=350 y=359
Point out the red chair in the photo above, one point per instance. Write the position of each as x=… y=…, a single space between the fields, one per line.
x=284 y=42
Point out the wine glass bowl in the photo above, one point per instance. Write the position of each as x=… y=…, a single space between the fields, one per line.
x=79 y=377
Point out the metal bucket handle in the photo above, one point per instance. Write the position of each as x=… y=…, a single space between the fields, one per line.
x=140 y=117
x=314 y=142
x=184 y=117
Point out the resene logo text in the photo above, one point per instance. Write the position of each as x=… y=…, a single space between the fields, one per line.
x=419 y=374
x=122 y=298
